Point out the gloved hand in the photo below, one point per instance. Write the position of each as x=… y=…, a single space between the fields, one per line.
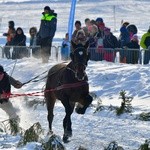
x=5 y=34
x=18 y=85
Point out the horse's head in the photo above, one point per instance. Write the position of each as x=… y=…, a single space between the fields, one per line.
x=84 y=104
x=80 y=57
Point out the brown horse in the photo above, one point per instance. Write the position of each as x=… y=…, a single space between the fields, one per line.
x=69 y=84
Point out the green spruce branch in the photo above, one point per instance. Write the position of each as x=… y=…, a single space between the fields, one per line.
x=125 y=104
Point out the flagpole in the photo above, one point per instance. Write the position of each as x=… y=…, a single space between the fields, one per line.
x=71 y=19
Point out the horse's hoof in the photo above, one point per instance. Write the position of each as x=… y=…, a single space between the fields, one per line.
x=65 y=139
x=68 y=133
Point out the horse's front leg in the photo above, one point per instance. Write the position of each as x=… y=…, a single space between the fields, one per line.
x=67 y=124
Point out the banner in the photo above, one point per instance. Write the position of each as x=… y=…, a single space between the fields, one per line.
x=71 y=19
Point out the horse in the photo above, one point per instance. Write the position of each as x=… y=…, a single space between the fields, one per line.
x=69 y=84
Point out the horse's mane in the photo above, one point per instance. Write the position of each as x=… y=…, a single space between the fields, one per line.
x=56 y=68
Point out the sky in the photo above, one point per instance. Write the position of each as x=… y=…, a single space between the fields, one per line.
x=93 y=131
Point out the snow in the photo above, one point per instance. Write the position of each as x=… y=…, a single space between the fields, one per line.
x=93 y=131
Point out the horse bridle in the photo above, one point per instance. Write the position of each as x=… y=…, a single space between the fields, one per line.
x=75 y=73
x=76 y=64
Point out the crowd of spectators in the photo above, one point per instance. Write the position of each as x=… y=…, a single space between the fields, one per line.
x=42 y=38
x=103 y=44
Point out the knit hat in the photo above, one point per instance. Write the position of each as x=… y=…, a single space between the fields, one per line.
x=1 y=69
x=11 y=24
x=99 y=20
x=47 y=8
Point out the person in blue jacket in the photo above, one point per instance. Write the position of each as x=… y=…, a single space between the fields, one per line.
x=124 y=39
x=65 y=48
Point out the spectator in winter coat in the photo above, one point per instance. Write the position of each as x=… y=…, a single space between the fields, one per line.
x=132 y=29
x=11 y=42
x=77 y=28
x=11 y=29
x=5 y=90
x=33 y=42
x=93 y=36
x=19 y=41
x=124 y=38
x=80 y=38
x=110 y=42
x=145 y=44
x=101 y=25
x=47 y=32
x=87 y=22
x=65 y=48
x=132 y=56
x=87 y=25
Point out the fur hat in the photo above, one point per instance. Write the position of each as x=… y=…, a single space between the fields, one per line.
x=1 y=69
x=125 y=24
x=81 y=31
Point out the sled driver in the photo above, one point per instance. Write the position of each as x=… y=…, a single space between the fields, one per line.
x=5 y=89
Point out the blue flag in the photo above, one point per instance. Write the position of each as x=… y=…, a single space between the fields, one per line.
x=71 y=19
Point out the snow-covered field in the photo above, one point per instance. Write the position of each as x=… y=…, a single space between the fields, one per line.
x=93 y=131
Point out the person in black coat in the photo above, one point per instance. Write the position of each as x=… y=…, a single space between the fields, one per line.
x=19 y=41
x=124 y=38
x=110 y=42
x=5 y=90
x=133 y=50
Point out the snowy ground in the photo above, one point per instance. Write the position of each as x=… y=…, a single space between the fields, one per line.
x=92 y=130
